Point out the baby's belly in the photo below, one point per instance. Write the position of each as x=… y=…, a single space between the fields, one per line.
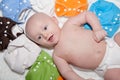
x=82 y=50
x=87 y=58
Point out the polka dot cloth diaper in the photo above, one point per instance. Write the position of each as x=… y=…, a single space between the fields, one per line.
x=70 y=7
x=13 y=8
x=43 y=69
x=6 y=34
x=108 y=14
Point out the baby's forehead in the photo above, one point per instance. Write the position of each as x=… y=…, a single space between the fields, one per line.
x=36 y=20
x=35 y=16
x=38 y=17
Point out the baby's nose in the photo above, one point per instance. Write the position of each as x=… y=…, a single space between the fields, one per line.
x=45 y=35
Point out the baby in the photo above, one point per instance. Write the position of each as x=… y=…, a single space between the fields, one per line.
x=75 y=45
x=117 y=38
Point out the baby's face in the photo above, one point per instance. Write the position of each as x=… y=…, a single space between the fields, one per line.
x=43 y=30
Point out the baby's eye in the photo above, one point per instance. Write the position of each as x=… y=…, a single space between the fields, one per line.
x=39 y=37
x=45 y=28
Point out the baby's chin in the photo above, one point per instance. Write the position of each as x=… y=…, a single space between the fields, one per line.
x=50 y=46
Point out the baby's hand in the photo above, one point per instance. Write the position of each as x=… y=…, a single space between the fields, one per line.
x=99 y=35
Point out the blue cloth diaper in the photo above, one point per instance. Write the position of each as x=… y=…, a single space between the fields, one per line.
x=13 y=8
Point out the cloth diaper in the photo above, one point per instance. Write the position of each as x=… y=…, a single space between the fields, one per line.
x=21 y=54
x=6 y=34
x=43 y=68
x=108 y=14
x=70 y=7
x=13 y=8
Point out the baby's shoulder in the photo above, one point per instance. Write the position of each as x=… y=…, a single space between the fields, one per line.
x=68 y=23
x=57 y=52
x=69 y=20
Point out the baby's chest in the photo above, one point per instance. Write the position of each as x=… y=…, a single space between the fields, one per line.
x=76 y=45
x=77 y=40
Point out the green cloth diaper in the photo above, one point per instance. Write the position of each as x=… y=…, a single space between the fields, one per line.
x=43 y=69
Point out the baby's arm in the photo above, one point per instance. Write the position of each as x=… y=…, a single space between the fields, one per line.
x=90 y=18
x=65 y=70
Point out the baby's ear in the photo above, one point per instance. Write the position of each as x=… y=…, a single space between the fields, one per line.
x=55 y=19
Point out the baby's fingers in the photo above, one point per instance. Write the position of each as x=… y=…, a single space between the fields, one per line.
x=99 y=35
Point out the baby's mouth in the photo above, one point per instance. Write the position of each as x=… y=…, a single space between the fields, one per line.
x=50 y=38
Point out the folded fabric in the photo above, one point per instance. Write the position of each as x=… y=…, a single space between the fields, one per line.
x=43 y=6
x=70 y=7
x=43 y=68
x=13 y=8
x=21 y=54
x=108 y=14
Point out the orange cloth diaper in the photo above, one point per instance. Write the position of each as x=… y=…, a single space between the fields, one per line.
x=70 y=7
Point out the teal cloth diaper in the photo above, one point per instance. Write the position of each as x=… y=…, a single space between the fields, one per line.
x=108 y=14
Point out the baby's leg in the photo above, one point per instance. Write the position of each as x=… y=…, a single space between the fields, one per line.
x=117 y=38
x=112 y=74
